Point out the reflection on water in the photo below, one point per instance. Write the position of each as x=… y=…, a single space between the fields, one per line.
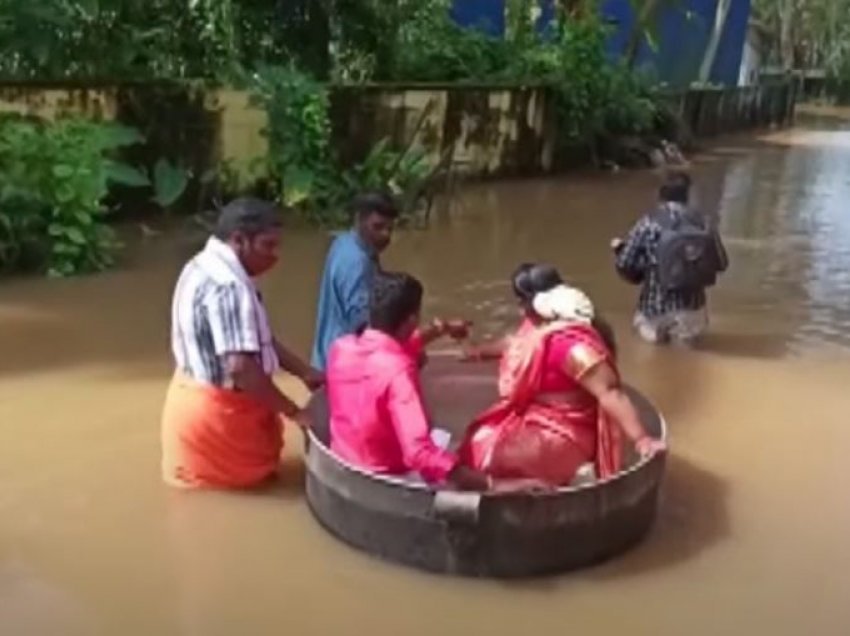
x=747 y=540
x=788 y=226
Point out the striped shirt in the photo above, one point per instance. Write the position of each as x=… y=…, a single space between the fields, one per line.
x=217 y=310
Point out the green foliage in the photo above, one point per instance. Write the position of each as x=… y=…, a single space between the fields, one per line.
x=430 y=47
x=594 y=96
x=169 y=183
x=804 y=34
x=114 y=38
x=53 y=179
x=398 y=172
x=177 y=39
x=298 y=133
x=306 y=174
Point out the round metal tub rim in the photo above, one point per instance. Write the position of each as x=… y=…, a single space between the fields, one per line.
x=403 y=482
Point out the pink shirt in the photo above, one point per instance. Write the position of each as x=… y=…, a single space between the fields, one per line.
x=378 y=419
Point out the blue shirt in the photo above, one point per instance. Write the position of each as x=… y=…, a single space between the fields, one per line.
x=343 y=293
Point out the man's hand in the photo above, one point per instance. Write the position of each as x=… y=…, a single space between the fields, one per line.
x=313 y=379
x=247 y=374
x=302 y=420
x=456 y=329
x=521 y=485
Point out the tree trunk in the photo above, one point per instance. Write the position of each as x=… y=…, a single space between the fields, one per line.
x=576 y=9
x=786 y=33
x=720 y=16
x=644 y=15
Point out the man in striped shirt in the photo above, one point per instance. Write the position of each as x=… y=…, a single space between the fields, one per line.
x=221 y=424
x=662 y=315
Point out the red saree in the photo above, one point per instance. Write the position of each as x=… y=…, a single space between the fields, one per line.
x=545 y=425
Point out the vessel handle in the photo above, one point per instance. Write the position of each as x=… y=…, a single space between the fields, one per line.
x=457 y=507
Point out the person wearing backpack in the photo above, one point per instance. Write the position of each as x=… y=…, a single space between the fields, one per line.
x=675 y=255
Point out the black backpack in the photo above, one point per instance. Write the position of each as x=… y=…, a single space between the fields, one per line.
x=690 y=254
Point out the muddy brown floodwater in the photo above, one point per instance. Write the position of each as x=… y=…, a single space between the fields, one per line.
x=753 y=527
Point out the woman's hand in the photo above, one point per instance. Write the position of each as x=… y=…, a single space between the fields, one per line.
x=471 y=353
x=648 y=446
x=456 y=329
x=482 y=352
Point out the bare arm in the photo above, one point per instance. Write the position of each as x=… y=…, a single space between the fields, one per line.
x=248 y=376
x=292 y=363
x=455 y=329
x=603 y=383
x=239 y=348
x=490 y=350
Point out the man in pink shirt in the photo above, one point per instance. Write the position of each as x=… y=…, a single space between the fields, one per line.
x=378 y=419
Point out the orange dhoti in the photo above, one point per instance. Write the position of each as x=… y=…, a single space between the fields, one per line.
x=217 y=438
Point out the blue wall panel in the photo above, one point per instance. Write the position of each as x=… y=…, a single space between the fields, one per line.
x=682 y=34
x=727 y=64
x=684 y=27
x=547 y=14
x=487 y=15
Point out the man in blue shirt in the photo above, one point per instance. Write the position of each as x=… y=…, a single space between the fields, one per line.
x=350 y=266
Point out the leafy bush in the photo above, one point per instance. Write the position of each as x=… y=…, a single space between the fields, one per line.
x=298 y=135
x=53 y=179
x=594 y=96
x=384 y=168
x=431 y=47
x=305 y=172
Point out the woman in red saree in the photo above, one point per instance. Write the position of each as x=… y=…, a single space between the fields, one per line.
x=561 y=403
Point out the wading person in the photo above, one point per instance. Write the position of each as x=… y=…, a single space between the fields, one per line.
x=378 y=420
x=221 y=425
x=350 y=267
x=562 y=405
x=674 y=255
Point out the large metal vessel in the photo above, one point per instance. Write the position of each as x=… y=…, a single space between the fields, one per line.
x=490 y=535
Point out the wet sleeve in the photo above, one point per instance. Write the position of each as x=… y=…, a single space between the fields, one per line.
x=230 y=312
x=632 y=257
x=410 y=422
